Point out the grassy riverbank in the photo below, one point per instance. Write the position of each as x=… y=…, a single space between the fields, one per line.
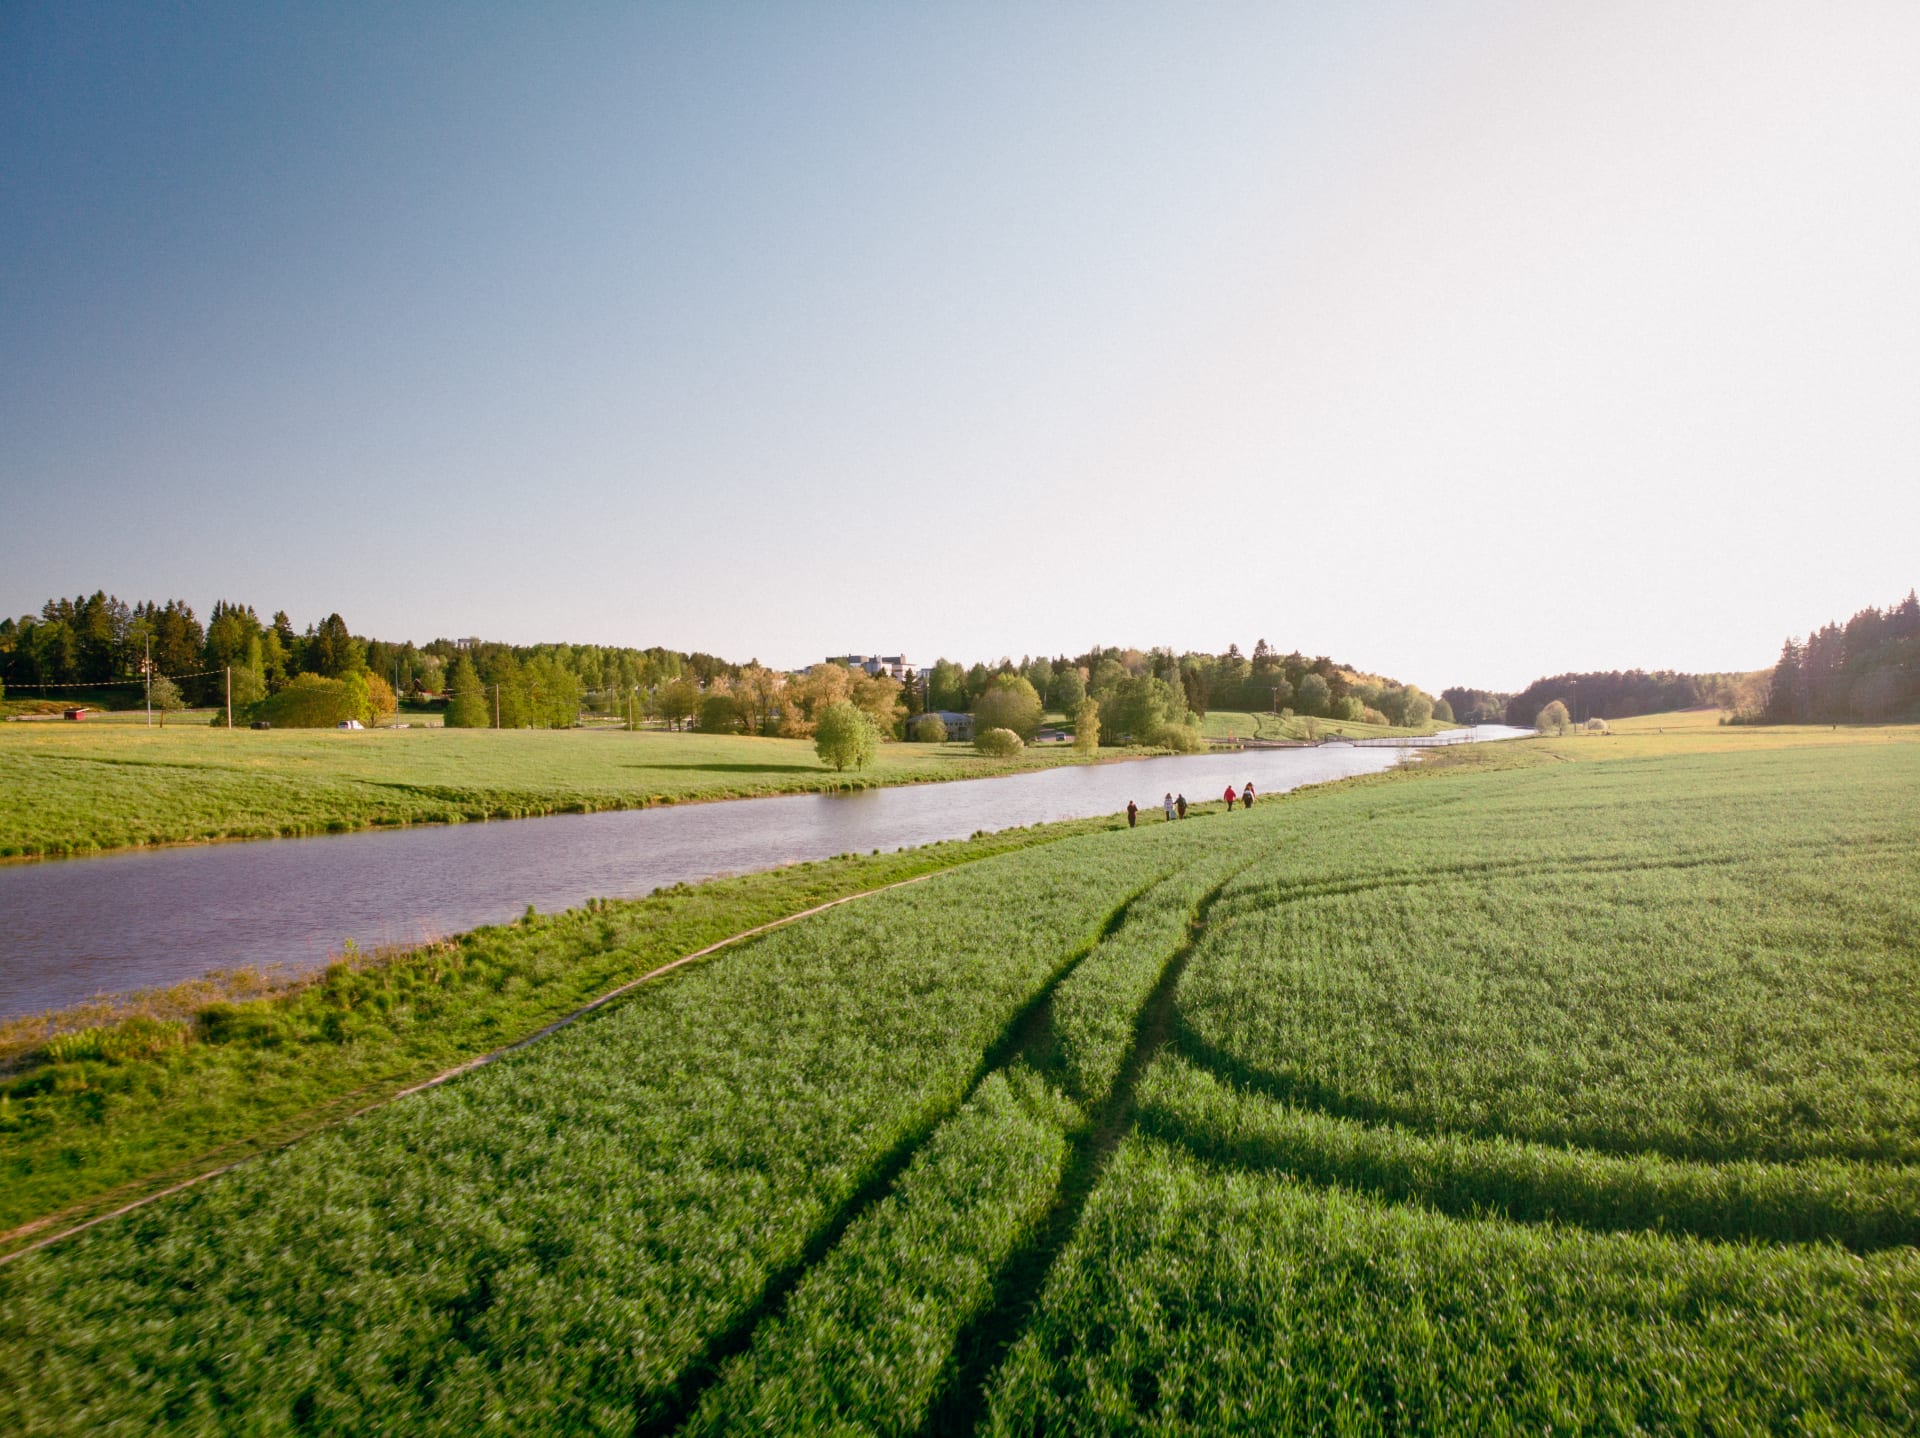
x=104 y=1102
x=76 y=789
x=88 y=788
x=1571 y=1077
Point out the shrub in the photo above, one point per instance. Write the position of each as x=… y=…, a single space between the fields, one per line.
x=719 y=715
x=998 y=743
x=844 y=737
x=929 y=729
x=307 y=702
x=1181 y=738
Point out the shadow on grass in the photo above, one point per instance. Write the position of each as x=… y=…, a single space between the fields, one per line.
x=737 y=768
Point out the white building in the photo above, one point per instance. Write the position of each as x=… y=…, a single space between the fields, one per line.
x=895 y=666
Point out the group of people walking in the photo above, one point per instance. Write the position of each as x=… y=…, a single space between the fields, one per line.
x=1175 y=805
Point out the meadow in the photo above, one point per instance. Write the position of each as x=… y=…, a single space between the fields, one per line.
x=84 y=788
x=112 y=783
x=1565 y=1085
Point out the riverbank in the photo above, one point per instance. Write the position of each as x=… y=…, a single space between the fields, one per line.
x=133 y=1091
x=83 y=790
x=76 y=789
x=1550 y=1051
x=105 y=1102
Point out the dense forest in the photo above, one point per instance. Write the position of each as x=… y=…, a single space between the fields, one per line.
x=1864 y=671
x=1620 y=694
x=94 y=647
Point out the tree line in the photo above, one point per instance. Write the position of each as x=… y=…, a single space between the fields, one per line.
x=1264 y=681
x=1621 y=694
x=1864 y=671
x=100 y=642
x=301 y=676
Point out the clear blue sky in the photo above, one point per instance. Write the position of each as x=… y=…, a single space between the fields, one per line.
x=1463 y=342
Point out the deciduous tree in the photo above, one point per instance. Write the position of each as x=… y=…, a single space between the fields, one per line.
x=677 y=702
x=1086 y=726
x=467 y=706
x=1009 y=702
x=844 y=737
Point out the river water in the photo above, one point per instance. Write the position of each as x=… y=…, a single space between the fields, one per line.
x=74 y=928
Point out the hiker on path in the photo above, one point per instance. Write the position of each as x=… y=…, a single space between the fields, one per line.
x=1133 y=813
x=1231 y=796
x=1181 y=804
x=1167 y=804
x=1246 y=797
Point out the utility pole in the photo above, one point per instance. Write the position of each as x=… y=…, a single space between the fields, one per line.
x=147 y=669
x=496 y=706
x=229 y=696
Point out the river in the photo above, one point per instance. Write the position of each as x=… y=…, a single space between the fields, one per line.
x=74 y=928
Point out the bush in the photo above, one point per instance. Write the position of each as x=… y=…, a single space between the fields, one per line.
x=1553 y=719
x=929 y=729
x=307 y=702
x=844 y=737
x=719 y=715
x=1181 y=738
x=998 y=743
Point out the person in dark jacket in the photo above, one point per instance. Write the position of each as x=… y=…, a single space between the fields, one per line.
x=1133 y=813
x=1246 y=796
x=1180 y=803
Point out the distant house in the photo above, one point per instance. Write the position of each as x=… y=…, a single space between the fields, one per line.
x=959 y=726
x=894 y=666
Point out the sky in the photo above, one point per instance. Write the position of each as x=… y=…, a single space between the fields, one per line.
x=1465 y=343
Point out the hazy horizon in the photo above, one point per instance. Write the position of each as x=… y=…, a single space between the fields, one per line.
x=1466 y=344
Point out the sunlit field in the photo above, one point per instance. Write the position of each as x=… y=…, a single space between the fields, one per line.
x=78 y=788
x=1560 y=1085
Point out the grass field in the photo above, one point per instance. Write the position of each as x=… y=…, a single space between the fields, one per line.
x=1568 y=1085
x=77 y=788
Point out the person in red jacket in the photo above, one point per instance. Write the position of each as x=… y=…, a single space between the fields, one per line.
x=1231 y=798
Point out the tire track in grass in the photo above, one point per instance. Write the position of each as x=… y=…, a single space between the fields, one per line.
x=1221 y=1124
x=984 y=1343
x=1029 y=1029
x=447 y=1075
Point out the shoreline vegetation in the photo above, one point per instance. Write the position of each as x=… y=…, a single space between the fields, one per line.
x=156 y=1085
x=105 y=1102
x=71 y=790
x=992 y=1146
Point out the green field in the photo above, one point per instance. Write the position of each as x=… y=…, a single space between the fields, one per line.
x=1562 y=1086
x=78 y=788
